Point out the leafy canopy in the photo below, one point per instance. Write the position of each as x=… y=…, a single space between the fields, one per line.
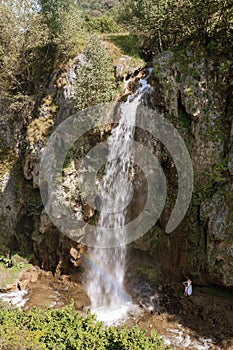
x=22 y=32
x=165 y=23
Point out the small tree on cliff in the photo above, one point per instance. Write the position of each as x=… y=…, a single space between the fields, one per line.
x=94 y=77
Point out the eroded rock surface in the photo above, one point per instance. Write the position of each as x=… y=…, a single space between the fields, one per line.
x=185 y=92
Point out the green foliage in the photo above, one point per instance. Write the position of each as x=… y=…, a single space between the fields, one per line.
x=65 y=25
x=103 y=24
x=166 y=23
x=41 y=128
x=22 y=32
x=53 y=11
x=94 y=77
x=5 y=261
x=62 y=329
x=154 y=21
x=7 y=159
x=220 y=169
x=32 y=35
x=128 y=43
x=96 y=7
x=10 y=268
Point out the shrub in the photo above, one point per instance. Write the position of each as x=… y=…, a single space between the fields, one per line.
x=104 y=24
x=62 y=329
x=94 y=77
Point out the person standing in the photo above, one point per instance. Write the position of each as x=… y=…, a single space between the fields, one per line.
x=188 y=287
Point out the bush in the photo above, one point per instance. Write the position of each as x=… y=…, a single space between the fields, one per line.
x=104 y=24
x=94 y=77
x=62 y=329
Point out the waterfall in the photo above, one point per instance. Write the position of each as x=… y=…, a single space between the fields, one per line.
x=106 y=266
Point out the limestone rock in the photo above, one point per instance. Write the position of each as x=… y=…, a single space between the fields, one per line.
x=31 y=169
x=216 y=210
x=184 y=92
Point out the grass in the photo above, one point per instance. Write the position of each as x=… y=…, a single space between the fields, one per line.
x=9 y=275
x=127 y=43
x=123 y=44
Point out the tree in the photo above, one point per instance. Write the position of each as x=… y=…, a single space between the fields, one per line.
x=94 y=76
x=65 y=25
x=22 y=31
x=166 y=23
x=54 y=12
x=156 y=21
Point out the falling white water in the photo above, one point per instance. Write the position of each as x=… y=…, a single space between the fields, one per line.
x=106 y=268
x=16 y=298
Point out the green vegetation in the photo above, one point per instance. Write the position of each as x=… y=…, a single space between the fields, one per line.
x=164 y=24
x=94 y=77
x=103 y=24
x=22 y=34
x=219 y=171
x=124 y=50
x=34 y=36
x=66 y=28
x=63 y=329
x=10 y=269
x=40 y=128
x=96 y=7
x=8 y=159
x=128 y=43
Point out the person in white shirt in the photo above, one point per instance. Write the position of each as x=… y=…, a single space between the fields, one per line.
x=188 y=287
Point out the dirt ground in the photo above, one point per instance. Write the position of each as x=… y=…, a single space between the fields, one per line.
x=201 y=321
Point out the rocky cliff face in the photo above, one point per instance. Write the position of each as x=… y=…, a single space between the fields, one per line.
x=13 y=120
x=26 y=124
x=185 y=90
